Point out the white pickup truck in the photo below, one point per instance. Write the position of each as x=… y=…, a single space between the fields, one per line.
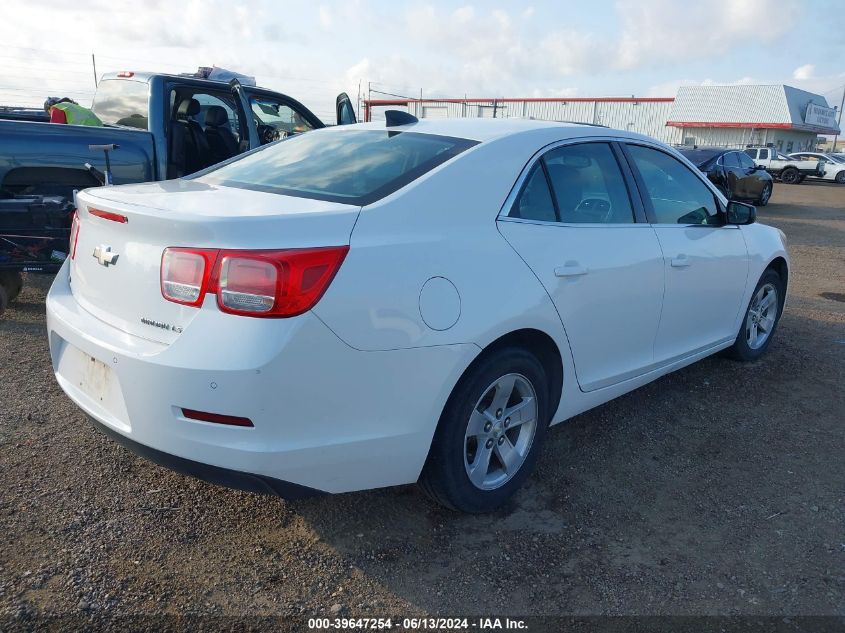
x=788 y=170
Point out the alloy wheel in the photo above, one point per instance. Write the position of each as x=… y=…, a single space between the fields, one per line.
x=762 y=316
x=500 y=432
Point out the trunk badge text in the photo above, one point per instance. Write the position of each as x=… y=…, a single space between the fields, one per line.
x=105 y=256
x=163 y=326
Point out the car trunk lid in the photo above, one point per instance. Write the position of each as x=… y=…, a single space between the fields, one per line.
x=123 y=231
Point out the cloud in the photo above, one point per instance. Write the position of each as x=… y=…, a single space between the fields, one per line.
x=664 y=32
x=804 y=72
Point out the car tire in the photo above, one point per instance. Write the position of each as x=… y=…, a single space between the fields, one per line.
x=790 y=176
x=12 y=282
x=840 y=177
x=4 y=299
x=473 y=427
x=763 y=200
x=754 y=338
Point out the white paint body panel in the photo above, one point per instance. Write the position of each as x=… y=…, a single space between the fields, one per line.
x=348 y=395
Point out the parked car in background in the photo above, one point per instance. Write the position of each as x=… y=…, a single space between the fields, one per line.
x=733 y=172
x=367 y=306
x=166 y=126
x=788 y=170
x=834 y=167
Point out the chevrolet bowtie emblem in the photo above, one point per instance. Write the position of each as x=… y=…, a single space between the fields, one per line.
x=104 y=255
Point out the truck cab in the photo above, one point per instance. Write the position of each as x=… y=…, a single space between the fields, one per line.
x=165 y=126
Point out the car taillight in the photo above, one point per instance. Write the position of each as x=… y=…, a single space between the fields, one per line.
x=257 y=283
x=74 y=234
x=185 y=273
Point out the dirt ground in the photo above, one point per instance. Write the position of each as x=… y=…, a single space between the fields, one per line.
x=719 y=489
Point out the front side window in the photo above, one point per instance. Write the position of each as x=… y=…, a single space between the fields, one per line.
x=744 y=161
x=676 y=194
x=350 y=166
x=731 y=159
x=277 y=120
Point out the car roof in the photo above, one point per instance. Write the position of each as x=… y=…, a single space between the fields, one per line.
x=484 y=129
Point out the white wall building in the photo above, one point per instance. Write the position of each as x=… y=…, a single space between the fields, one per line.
x=729 y=116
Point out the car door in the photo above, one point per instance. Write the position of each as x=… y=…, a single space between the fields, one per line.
x=705 y=261
x=752 y=184
x=733 y=175
x=344 y=111
x=573 y=221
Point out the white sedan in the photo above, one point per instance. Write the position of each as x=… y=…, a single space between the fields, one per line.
x=368 y=306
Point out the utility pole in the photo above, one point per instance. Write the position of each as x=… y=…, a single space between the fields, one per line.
x=94 y=64
x=841 y=105
x=358 y=115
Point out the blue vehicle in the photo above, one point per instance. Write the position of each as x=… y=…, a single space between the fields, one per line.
x=156 y=127
x=166 y=126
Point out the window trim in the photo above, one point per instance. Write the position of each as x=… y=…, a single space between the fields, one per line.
x=721 y=203
x=634 y=197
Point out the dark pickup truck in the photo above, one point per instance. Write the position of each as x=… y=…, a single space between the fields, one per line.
x=165 y=126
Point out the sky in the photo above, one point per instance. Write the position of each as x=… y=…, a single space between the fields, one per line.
x=314 y=50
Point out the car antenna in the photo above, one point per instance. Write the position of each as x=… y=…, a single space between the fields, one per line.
x=398 y=117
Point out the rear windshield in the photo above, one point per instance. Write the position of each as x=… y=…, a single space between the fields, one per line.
x=352 y=167
x=700 y=156
x=123 y=102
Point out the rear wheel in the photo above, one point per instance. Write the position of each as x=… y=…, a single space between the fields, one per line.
x=761 y=319
x=790 y=176
x=4 y=299
x=12 y=282
x=763 y=200
x=490 y=433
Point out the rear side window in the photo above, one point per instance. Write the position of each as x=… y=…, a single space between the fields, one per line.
x=123 y=102
x=588 y=185
x=352 y=167
x=676 y=194
x=535 y=200
x=764 y=153
x=584 y=186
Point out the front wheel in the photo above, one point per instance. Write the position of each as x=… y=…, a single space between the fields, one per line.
x=490 y=433
x=840 y=177
x=763 y=200
x=761 y=319
x=12 y=282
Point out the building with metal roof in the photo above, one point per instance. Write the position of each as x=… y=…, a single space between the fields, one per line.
x=729 y=116
x=734 y=116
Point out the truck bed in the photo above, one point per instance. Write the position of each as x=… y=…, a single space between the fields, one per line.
x=50 y=158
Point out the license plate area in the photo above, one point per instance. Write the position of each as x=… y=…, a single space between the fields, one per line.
x=93 y=384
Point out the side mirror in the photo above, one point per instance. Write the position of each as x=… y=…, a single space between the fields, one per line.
x=760 y=167
x=740 y=213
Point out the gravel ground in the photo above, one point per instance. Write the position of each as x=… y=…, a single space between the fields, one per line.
x=719 y=489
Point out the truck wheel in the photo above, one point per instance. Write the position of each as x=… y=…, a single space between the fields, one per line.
x=12 y=282
x=790 y=176
x=840 y=177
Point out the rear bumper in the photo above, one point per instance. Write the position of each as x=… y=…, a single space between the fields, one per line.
x=213 y=474
x=326 y=416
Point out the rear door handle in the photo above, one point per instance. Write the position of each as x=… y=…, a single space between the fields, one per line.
x=571 y=269
x=681 y=261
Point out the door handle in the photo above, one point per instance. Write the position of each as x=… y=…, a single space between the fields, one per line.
x=571 y=269
x=681 y=261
